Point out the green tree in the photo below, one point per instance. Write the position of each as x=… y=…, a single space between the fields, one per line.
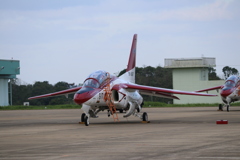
x=156 y=77
x=212 y=75
x=229 y=71
x=61 y=99
x=20 y=92
x=40 y=88
x=60 y=86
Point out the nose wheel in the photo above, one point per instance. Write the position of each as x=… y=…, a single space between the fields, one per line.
x=84 y=119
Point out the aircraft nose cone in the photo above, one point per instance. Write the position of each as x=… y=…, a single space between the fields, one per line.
x=81 y=98
x=225 y=93
x=84 y=95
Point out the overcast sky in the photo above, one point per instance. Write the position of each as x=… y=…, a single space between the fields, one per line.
x=66 y=40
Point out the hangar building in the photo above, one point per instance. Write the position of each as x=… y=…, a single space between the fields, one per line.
x=191 y=75
x=8 y=70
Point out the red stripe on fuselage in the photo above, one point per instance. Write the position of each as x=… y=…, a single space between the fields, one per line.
x=225 y=93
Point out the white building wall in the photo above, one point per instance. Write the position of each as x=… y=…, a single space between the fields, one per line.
x=192 y=79
x=4 y=92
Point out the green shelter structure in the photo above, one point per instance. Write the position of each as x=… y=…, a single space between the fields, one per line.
x=8 y=70
x=192 y=74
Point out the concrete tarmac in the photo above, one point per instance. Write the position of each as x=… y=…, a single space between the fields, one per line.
x=185 y=133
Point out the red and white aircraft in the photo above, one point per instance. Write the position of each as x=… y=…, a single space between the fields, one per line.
x=230 y=91
x=103 y=91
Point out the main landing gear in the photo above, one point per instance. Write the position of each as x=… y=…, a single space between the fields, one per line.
x=145 y=117
x=85 y=118
x=228 y=108
x=220 y=107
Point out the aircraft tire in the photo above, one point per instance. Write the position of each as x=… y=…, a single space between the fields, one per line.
x=145 y=116
x=86 y=121
x=138 y=110
x=220 y=107
x=83 y=117
x=228 y=108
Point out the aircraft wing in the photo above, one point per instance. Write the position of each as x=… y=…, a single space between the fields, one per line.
x=63 y=92
x=155 y=91
x=210 y=89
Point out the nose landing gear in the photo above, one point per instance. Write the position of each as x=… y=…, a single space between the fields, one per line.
x=84 y=119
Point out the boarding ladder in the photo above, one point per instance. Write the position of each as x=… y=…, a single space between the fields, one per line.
x=108 y=100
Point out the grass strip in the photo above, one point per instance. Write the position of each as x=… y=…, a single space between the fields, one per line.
x=74 y=106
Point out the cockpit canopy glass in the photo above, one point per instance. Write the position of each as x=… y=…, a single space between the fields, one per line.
x=95 y=79
x=230 y=82
x=100 y=76
x=233 y=78
x=90 y=82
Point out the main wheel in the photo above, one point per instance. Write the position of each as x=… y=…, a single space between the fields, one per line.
x=228 y=108
x=220 y=107
x=145 y=116
x=86 y=121
x=83 y=117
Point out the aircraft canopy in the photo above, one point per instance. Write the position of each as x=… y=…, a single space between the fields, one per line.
x=95 y=79
x=230 y=82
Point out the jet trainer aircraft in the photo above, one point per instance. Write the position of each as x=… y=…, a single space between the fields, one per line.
x=103 y=91
x=230 y=91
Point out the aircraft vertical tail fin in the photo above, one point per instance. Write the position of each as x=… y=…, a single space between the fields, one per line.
x=130 y=71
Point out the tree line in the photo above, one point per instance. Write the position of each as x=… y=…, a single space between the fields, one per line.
x=147 y=75
x=153 y=76
x=21 y=93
